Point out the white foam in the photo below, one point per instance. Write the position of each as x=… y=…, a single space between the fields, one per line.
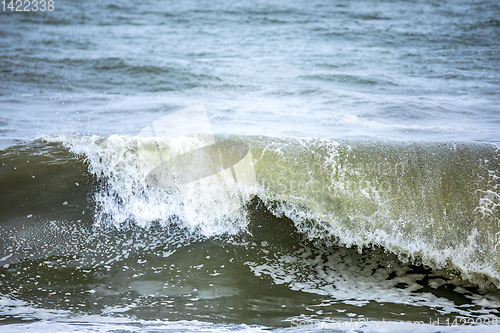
x=51 y=320
x=352 y=279
x=121 y=163
x=324 y=182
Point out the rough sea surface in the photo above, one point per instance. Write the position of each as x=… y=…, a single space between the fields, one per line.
x=372 y=132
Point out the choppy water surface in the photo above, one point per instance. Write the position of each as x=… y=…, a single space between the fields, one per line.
x=373 y=131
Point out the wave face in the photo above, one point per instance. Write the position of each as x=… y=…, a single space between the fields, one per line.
x=437 y=203
x=434 y=203
x=371 y=227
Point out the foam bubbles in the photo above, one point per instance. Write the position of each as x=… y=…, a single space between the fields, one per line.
x=121 y=164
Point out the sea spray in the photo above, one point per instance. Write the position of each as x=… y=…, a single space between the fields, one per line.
x=432 y=203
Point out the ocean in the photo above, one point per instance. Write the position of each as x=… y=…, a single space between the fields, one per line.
x=265 y=166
